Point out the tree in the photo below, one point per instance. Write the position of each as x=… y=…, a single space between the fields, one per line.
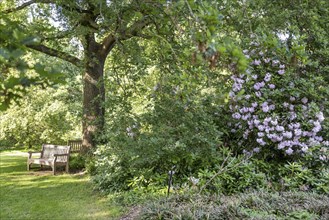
x=48 y=118
x=16 y=73
x=95 y=27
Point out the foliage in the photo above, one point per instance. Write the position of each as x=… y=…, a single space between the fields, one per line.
x=252 y=205
x=84 y=34
x=233 y=169
x=17 y=70
x=256 y=173
x=42 y=117
x=164 y=116
x=229 y=175
x=135 y=197
x=306 y=22
x=145 y=148
x=154 y=116
x=156 y=74
x=294 y=175
x=77 y=162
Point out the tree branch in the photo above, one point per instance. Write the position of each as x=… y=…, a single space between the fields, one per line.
x=134 y=30
x=56 y=53
x=60 y=35
x=129 y=32
x=26 y=4
x=107 y=44
x=76 y=9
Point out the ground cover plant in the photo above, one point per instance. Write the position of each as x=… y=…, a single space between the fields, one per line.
x=250 y=205
x=40 y=195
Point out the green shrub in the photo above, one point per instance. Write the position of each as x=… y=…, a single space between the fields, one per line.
x=238 y=174
x=77 y=162
x=133 y=197
x=143 y=148
x=297 y=176
x=229 y=174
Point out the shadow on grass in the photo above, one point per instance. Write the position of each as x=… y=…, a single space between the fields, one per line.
x=12 y=164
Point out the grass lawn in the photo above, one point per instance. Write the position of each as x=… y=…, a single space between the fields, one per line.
x=40 y=195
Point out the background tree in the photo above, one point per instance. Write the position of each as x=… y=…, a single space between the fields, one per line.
x=95 y=27
x=43 y=116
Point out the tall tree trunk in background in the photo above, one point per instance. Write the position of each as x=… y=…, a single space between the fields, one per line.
x=93 y=93
x=85 y=19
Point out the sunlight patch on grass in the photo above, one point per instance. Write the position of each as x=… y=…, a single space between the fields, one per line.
x=40 y=195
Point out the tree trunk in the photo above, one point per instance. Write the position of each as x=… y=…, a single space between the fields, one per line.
x=93 y=95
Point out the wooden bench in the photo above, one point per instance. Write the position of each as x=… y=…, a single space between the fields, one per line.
x=76 y=146
x=51 y=155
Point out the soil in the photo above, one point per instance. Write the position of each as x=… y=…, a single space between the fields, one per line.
x=132 y=214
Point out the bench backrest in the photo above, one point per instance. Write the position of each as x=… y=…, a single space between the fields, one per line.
x=48 y=151
x=76 y=145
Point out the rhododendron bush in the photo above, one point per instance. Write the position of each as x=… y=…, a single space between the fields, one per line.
x=275 y=104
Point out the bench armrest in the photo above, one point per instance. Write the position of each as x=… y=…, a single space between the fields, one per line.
x=30 y=153
x=58 y=155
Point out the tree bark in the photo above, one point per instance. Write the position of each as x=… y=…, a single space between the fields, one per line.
x=93 y=94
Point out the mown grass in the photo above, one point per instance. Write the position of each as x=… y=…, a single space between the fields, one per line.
x=40 y=195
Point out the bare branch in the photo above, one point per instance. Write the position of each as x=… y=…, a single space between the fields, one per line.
x=56 y=53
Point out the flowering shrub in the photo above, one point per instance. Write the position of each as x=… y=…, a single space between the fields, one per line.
x=273 y=106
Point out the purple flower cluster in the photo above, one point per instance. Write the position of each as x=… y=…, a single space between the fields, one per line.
x=285 y=122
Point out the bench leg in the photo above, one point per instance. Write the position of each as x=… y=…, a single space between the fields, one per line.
x=54 y=169
x=28 y=166
x=67 y=168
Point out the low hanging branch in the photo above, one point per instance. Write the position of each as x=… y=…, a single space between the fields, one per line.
x=56 y=53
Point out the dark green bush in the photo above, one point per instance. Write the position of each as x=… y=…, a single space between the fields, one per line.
x=77 y=162
x=237 y=174
x=143 y=148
